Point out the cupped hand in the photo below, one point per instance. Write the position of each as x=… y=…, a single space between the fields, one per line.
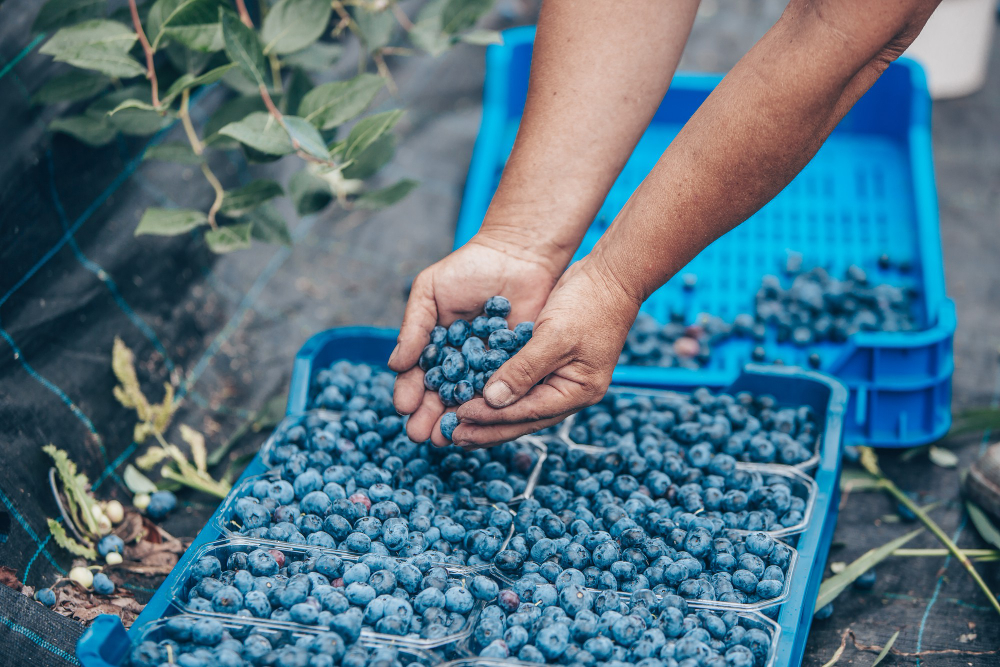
x=458 y=287
x=567 y=364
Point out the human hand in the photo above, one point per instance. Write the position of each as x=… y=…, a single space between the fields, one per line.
x=566 y=366
x=453 y=288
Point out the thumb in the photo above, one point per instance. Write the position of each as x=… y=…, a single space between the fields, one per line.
x=542 y=354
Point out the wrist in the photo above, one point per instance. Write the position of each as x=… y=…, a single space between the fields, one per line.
x=532 y=237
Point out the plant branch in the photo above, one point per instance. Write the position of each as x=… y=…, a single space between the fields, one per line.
x=148 y=50
x=199 y=148
x=275 y=71
x=870 y=462
x=244 y=14
x=384 y=72
x=401 y=16
x=219 y=194
x=192 y=136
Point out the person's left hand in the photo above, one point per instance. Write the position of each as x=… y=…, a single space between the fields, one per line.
x=566 y=366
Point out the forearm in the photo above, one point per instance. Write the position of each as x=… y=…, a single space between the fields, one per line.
x=756 y=131
x=599 y=71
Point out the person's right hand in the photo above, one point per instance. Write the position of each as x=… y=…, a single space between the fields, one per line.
x=458 y=287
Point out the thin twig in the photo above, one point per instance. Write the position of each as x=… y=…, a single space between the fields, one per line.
x=199 y=148
x=148 y=50
x=384 y=72
x=918 y=654
x=870 y=462
x=244 y=14
x=840 y=650
x=401 y=16
x=192 y=136
x=219 y=194
x=275 y=71
x=397 y=51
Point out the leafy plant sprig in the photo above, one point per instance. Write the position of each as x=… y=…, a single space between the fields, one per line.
x=154 y=420
x=138 y=70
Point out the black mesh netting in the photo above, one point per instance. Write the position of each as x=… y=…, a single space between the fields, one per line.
x=225 y=328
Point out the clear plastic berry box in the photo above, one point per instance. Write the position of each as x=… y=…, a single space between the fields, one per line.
x=271 y=457
x=760 y=605
x=241 y=628
x=869 y=190
x=230 y=526
x=566 y=428
x=747 y=620
x=183 y=583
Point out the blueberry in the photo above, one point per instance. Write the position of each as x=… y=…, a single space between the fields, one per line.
x=480 y=326
x=484 y=588
x=458 y=332
x=161 y=503
x=503 y=339
x=207 y=632
x=449 y=422
x=434 y=378
x=464 y=391
x=430 y=357
x=261 y=563
x=205 y=567
x=439 y=335
x=497 y=306
x=552 y=640
x=865 y=582
x=47 y=597
x=109 y=544
x=523 y=332
x=824 y=612
x=458 y=599
x=455 y=366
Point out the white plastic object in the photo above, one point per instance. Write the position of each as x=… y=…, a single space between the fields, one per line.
x=954 y=47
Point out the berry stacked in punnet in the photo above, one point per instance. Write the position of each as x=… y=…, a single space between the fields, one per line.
x=462 y=357
x=568 y=625
x=701 y=424
x=413 y=599
x=191 y=641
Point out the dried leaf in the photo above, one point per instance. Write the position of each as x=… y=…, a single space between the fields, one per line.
x=68 y=543
x=8 y=577
x=984 y=526
x=196 y=441
x=153 y=455
x=944 y=458
x=76 y=489
x=833 y=586
x=128 y=392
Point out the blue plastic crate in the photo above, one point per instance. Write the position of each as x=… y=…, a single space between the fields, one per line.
x=106 y=642
x=870 y=190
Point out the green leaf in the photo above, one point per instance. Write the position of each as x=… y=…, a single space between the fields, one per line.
x=833 y=586
x=105 y=59
x=68 y=543
x=91 y=131
x=126 y=111
x=230 y=112
x=482 y=37
x=260 y=131
x=188 y=81
x=941 y=457
x=984 y=526
x=242 y=200
x=136 y=481
x=170 y=221
x=193 y=23
x=317 y=57
x=172 y=152
x=376 y=199
x=426 y=33
x=185 y=60
x=309 y=192
x=885 y=649
x=229 y=238
x=460 y=15
x=331 y=104
x=292 y=25
x=70 y=87
x=376 y=27
x=99 y=32
x=268 y=226
x=243 y=47
x=239 y=81
x=56 y=14
x=306 y=137
x=367 y=131
x=373 y=158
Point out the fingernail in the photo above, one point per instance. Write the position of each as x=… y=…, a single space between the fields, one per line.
x=392 y=356
x=498 y=394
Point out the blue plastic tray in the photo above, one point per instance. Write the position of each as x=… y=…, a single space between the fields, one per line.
x=106 y=642
x=870 y=190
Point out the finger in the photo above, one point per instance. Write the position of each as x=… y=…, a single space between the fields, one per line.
x=408 y=391
x=556 y=396
x=473 y=436
x=415 y=333
x=544 y=353
x=425 y=418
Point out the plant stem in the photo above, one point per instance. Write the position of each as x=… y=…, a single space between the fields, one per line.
x=870 y=462
x=148 y=50
x=244 y=14
x=199 y=149
x=212 y=490
x=275 y=71
x=384 y=72
x=401 y=16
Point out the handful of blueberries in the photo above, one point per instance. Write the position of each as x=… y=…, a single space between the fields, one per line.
x=700 y=425
x=190 y=641
x=411 y=599
x=461 y=358
x=570 y=625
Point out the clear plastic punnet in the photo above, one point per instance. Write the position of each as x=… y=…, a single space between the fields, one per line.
x=189 y=579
